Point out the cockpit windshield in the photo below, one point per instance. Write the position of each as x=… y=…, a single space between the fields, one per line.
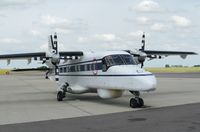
x=113 y=60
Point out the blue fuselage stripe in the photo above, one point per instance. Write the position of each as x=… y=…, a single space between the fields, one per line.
x=109 y=75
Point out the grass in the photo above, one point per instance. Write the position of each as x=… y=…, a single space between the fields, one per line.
x=174 y=70
x=4 y=71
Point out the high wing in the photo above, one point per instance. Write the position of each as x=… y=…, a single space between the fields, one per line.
x=67 y=54
x=142 y=54
x=153 y=54
x=158 y=54
x=28 y=56
x=51 y=58
x=41 y=56
x=52 y=55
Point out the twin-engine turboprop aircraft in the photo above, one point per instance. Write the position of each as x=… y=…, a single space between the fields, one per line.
x=107 y=73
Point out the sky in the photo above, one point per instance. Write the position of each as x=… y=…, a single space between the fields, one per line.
x=93 y=25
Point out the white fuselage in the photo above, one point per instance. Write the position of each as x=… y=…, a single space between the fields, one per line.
x=89 y=74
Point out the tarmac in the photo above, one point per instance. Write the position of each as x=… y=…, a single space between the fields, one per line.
x=28 y=97
x=184 y=118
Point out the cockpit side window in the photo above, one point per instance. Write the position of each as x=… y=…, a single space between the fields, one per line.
x=108 y=61
x=129 y=60
x=117 y=60
x=113 y=60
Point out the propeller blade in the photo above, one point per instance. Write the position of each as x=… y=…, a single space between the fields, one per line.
x=143 y=42
x=143 y=47
x=55 y=43
x=56 y=73
x=142 y=64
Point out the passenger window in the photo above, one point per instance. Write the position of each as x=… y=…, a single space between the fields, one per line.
x=78 y=68
x=69 y=68
x=82 y=68
x=61 y=70
x=72 y=69
x=65 y=69
x=88 y=67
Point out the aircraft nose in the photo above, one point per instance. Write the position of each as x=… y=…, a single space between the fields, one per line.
x=149 y=83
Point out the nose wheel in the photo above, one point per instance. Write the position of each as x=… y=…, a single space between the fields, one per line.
x=136 y=102
x=60 y=95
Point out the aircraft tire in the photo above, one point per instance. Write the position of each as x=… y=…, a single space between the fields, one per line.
x=60 y=96
x=140 y=102
x=133 y=103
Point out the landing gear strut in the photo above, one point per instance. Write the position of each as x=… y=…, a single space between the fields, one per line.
x=136 y=102
x=47 y=73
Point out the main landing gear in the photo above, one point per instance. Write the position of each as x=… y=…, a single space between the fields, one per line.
x=136 y=102
x=47 y=74
x=62 y=92
x=61 y=95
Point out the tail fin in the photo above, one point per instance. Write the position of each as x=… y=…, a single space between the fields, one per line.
x=53 y=44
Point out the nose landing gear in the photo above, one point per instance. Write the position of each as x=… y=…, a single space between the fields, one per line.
x=136 y=102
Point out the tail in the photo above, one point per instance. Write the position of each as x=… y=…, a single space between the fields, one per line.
x=53 y=44
x=54 y=58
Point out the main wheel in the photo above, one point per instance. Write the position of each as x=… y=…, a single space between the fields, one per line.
x=133 y=103
x=140 y=102
x=60 y=96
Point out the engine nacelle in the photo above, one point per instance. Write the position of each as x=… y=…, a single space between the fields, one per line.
x=105 y=93
x=52 y=58
x=55 y=59
x=142 y=56
x=141 y=59
x=138 y=55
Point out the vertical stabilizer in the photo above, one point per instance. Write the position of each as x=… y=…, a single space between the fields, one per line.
x=53 y=44
x=54 y=58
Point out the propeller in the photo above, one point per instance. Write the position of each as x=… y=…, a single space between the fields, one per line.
x=142 y=49
x=142 y=64
x=139 y=54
